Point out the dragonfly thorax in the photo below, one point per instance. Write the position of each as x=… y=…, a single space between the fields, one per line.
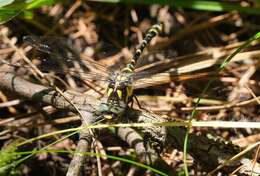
x=118 y=94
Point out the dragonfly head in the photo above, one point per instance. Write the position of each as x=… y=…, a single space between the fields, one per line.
x=120 y=88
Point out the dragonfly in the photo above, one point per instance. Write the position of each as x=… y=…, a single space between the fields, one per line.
x=119 y=91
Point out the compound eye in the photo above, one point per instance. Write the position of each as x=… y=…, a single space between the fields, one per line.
x=111 y=85
x=111 y=80
x=121 y=86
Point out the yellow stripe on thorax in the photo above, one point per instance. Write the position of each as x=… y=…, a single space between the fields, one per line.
x=109 y=91
x=119 y=94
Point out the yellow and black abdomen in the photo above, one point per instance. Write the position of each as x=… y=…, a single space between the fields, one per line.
x=120 y=89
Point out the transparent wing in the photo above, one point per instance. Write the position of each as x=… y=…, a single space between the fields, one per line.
x=165 y=71
x=58 y=56
x=164 y=78
x=72 y=72
x=41 y=43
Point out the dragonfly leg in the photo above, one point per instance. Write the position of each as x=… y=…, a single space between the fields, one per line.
x=132 y=102
x=138 y=103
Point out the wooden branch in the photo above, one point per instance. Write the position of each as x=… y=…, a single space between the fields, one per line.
x=42 y=94
x=208 y=152
x=145 y=153
x=45 y=95
x=78 y=161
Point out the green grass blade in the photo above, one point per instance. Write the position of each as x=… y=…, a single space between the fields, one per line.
x=221 y=67
x=5 y=2
x=8 y=156
x=9 y=11
x=99 y=155
x=75 y=131
x=215 y=6
x=39 y=3
x=8 y=14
